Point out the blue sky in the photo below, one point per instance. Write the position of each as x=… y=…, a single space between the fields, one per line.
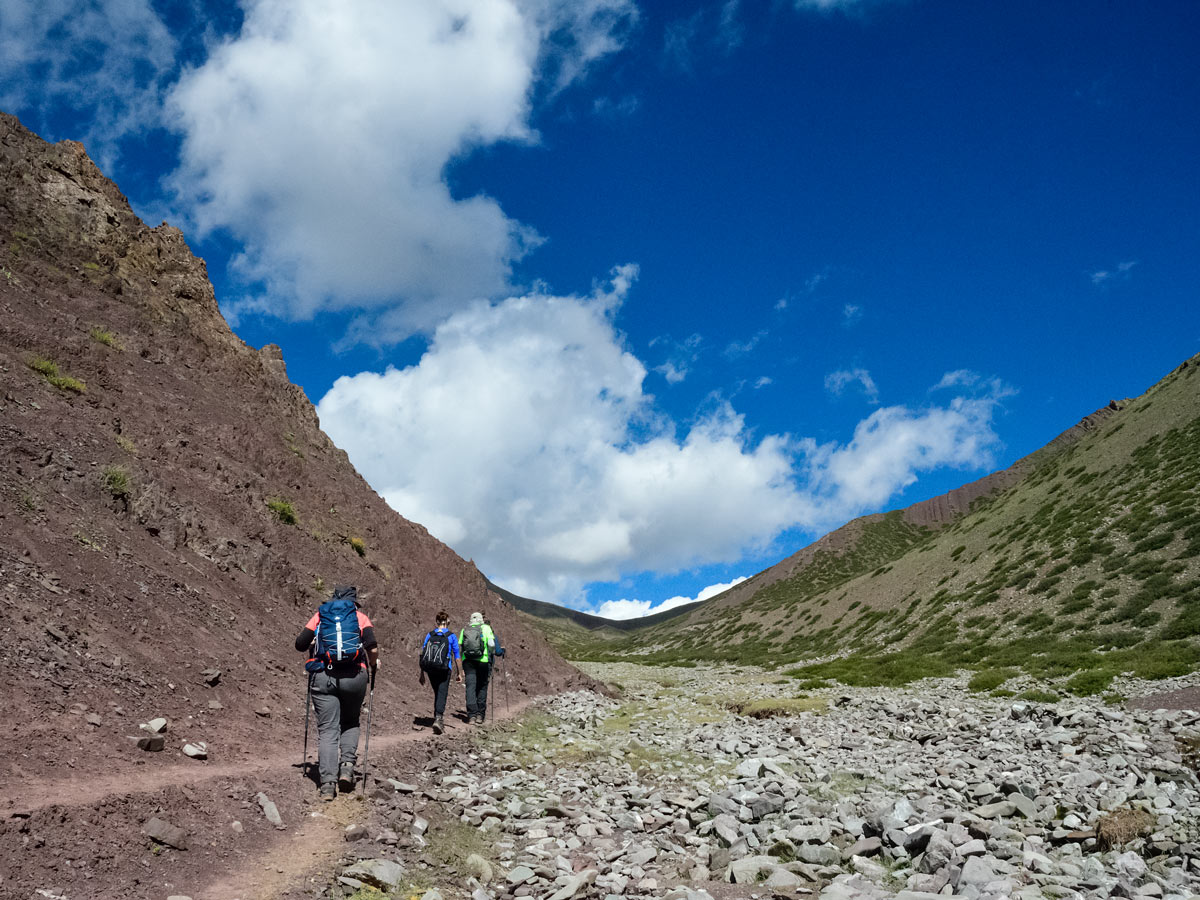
x=627 y=301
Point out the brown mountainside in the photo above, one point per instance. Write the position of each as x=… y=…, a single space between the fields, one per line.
x=141 y=443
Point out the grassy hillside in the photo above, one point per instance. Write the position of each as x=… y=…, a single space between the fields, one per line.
x=1085 y=567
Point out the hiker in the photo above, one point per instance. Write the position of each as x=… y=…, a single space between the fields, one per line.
x=495 y=637
x=439 y=657
x=344 y=645
x=477 y=643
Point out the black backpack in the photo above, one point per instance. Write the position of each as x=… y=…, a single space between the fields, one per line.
x=435 y=655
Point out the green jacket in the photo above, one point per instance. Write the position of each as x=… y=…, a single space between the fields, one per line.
x=489 y=643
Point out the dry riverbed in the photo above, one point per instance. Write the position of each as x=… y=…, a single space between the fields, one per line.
x=721 y=782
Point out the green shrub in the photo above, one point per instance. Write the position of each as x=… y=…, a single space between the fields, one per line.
x=105 y=337
x=116 y=481
x=284 y=511
x=989 y=679
x=359 y=547
x=1087 y=684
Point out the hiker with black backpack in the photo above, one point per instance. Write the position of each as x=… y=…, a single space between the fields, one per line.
x=478 y=644
x=343 y=645
x=439 y=657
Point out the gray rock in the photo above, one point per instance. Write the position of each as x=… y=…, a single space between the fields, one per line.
x=197 y=750
x=418 y=827
x=976 y=871
x=155 y=726
x=751 y=869
x=270 y=810
x=384 y=874
x=355 y=832
x=520 y=875
x=1001 y=809
x=165 y=833
x=575 y=885
x=863 y=847
x=432 y=894
x=479 y=868
x=152 y=744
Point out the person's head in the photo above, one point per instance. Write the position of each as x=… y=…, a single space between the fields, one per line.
x=442 y=619
x=476 y=618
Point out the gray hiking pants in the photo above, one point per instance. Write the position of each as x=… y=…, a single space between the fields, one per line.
x=337 y=703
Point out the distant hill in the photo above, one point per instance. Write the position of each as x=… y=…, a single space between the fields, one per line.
x=169 y=503
x=1078 y=562
x=551 y=612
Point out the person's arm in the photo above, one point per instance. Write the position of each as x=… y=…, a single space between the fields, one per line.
x=370 y=644
x=305 y=638
x=455 y=658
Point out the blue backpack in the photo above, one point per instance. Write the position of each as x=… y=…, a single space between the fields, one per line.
x=339 y=639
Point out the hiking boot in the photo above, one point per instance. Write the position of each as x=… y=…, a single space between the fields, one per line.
x=328 y=791
x=438 y=728
x=346 y=779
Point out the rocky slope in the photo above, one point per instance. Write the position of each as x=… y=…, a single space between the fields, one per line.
x=170 y=510
x=713 y=782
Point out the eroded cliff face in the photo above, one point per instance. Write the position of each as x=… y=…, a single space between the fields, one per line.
x=137 y=544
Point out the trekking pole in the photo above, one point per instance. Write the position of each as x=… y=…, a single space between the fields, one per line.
x=367 y=745
x=307 y=704
x=507 y=707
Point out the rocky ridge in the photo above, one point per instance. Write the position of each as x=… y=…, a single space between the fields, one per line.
x=878 y=793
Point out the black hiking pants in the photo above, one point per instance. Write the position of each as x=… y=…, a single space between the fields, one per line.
x=440 y=682
x=476 y=674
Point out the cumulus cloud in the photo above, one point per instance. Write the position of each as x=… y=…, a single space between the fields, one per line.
x=635 y=609
x=851 y=314
x=837 y=382
x=319 y=137
x=681 y=355
x=524 y=439
x=106 y=62
x=891 y=447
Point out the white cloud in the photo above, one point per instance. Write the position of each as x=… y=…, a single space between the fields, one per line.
x=1120 y=272
x=106 y=62
x=828 y=6
x=891 y=446
x=851 y=313
x=319 y=138
x=524 y=438
x=763 y=381
x=635 y=609
x=837 y=382
x=681 y=355
x=735 y=349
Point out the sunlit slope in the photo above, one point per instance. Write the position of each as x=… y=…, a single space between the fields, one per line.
x=1090 y=555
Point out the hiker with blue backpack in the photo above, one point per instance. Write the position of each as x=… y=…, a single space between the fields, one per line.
x=344 y=658
x=478 y=646
x=439 y=657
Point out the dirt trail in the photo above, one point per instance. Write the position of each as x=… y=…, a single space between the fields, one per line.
x=89 y=790
x=86 y=831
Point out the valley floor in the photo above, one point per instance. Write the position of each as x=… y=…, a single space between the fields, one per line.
x=721 y=782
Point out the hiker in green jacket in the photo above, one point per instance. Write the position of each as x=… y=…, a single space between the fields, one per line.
x=477 y=644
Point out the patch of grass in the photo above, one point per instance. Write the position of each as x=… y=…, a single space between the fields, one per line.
x=48 y=369
x=785 y=706
x=126 y=444
x=1090 y=683
x=284 y=511
x=359 y=547
x=451 y=842
x=105 y=337
x=989 y=679
x=116 y=481
x=1118 y=828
